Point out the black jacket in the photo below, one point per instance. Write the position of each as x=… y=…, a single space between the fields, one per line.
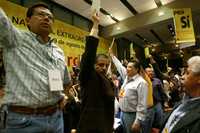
x=190 y=122
x=97 y=94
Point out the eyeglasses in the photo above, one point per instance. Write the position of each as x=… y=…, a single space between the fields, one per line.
x=44 y=14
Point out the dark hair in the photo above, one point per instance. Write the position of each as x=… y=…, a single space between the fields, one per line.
x=76 y=70
x=30 y=10
x=101 y=55
x=136 y=64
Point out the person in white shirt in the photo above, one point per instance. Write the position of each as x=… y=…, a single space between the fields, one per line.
x=132 y=95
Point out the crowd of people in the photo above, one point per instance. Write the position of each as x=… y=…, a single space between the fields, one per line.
x=40 y=95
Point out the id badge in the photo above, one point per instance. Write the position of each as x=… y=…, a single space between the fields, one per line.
x=121 y=93
x=55 y=80
x=165 y=130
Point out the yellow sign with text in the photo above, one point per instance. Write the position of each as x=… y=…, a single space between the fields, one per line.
x=183 y=25
x=69 y=38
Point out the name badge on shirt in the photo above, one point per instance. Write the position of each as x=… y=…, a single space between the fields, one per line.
x=165 y=130
x=55 y=81
x=121 y=93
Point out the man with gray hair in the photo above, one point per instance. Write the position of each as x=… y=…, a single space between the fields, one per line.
x=186 y=116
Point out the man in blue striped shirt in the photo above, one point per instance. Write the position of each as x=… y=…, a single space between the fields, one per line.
x=35 y=74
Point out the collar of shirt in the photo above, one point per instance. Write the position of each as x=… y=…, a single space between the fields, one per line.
x=194 y=99
x=189 y=100
x=49 y=43
x=132 y=78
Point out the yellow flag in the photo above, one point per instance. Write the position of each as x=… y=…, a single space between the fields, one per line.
x=146 y=52
x=132 y=51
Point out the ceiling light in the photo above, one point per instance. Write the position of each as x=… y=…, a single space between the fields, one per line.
x=161 y=13
x=108 y=16
x=118 y=28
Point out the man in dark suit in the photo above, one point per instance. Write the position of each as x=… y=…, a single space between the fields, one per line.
x=97 y=91
x=185 y=118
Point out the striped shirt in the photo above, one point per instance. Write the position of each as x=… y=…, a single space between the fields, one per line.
x=27 y=62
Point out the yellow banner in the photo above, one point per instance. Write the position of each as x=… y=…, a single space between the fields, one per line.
x=183 y=25
x=69 y=38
